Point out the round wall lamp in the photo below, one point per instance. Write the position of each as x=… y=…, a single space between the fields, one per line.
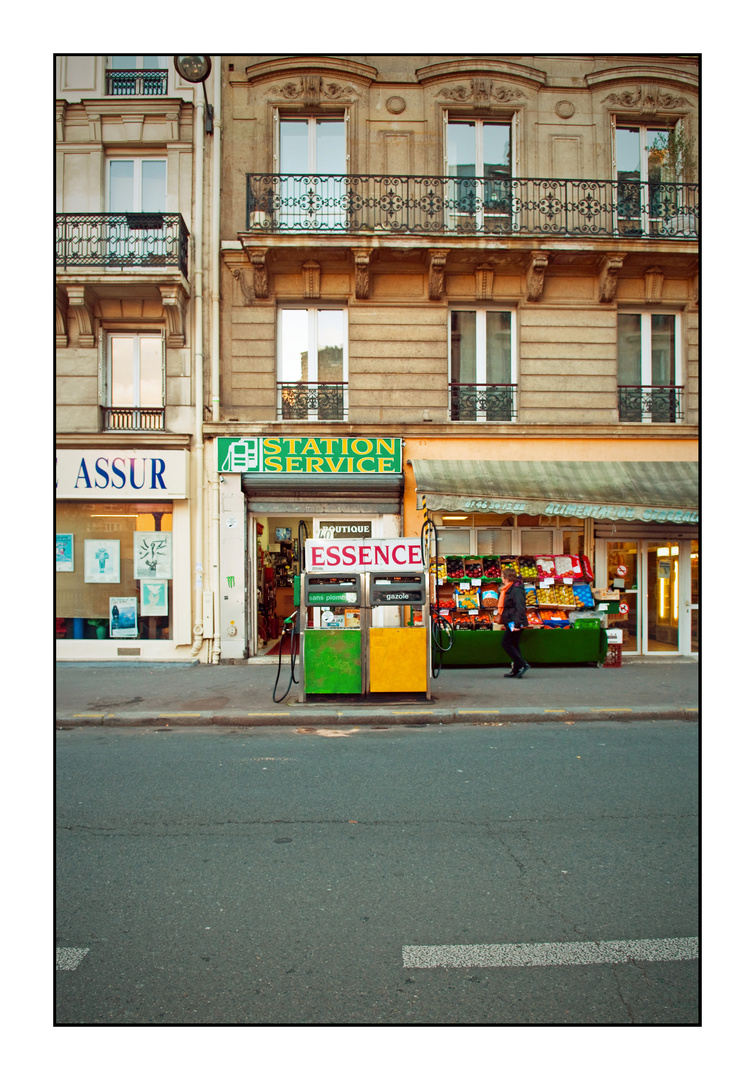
x=196 y=69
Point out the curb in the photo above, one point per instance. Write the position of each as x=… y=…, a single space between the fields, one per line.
x=303 y=716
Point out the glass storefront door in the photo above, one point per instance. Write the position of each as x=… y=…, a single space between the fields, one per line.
x=658 y=581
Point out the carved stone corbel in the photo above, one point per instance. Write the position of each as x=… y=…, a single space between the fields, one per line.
x=258 y=259
x=436 y=276
x=311 y=275
x=362 y=273
x=61 y=317
x=247 y=293
x=81 y=302
x=536 y=275
x=608 y=279
x=484 y=275
x=174 y=300
x=653 y=284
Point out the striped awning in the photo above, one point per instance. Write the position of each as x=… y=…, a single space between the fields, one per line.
x=655 y=491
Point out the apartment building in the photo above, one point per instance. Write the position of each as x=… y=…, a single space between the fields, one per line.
x=463 y=286
x=133 y=181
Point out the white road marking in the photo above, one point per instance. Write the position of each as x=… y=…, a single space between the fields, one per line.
x=545 y=954
x=69 y=959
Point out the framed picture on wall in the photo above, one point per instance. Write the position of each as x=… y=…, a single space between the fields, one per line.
x=123 y=616
x=154 y=598
x=153 y=555
x=102 y=562
x=64 y=553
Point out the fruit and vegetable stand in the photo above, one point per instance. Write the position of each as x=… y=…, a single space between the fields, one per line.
x=563 y=611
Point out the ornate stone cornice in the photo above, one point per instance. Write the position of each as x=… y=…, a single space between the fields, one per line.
x=482 y=67
x=536 y=275
x=482 y=93
x=174 y=299
x=484 y=275
x=258 y=258
x=329 y=67
x=646 y=99
x=311 y=279
x=61 y=317
x=81 y=301
x=653 y=284
x=608 y=278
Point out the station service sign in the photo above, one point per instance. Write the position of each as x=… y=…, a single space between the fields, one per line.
x=307 y=455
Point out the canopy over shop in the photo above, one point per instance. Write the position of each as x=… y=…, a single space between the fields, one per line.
x=650 y=491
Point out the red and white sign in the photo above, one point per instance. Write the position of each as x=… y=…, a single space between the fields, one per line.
x=624 y=609
x=621 y=571
x=392 y=554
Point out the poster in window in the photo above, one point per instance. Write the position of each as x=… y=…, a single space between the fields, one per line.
x=154 y=598
x=64 y=553
x=102 y=562
x=123 y=616
x=153 y=555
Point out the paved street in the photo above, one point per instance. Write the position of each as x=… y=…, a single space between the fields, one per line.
x=467 y=874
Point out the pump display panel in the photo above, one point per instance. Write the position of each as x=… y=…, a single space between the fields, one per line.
x=387 y=590
x=338 y=590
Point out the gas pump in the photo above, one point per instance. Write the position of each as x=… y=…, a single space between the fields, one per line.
x=331 y=650
x=399 y=657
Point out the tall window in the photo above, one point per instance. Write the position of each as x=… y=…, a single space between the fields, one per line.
x=649 y=368
x=479 y=155
x=134 y=394
x=312 y=364
x=137 y=75
x=312 y=163
x=137 y=189
x=646 y=178
x=481 y=366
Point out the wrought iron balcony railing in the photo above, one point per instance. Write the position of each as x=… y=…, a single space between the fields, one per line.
x=312 y=401
x=441 y=205
x=121 y=241
x=494 y=402
x=123 y=418
x=654 y=404
x=149 y=83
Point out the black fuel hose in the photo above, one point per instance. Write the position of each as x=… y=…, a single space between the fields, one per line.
x=292 y=627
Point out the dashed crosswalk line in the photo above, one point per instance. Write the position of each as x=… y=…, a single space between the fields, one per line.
x=68 y=959
x=545 y=954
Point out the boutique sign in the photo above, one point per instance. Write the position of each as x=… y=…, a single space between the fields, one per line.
x=306 y=455
x=121 y=474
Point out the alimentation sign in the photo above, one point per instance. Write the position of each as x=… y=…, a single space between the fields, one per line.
x=307 y=454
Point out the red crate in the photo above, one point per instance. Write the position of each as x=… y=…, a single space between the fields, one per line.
x=613 y=656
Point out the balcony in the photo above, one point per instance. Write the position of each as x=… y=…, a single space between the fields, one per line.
x=472 y=206
x=492 y=402
x=122 y=418
x=650 y=404
x=121 y=241
x=312 y=401
x=128 y=83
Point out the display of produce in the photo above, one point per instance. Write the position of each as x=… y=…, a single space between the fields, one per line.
x=489 y=597
x=530 y=595
x=491 y=566
x=455 y=567
x=527 y=568
x=473 y=567
x=467 y=599
x=546 y=567
x=583 y=595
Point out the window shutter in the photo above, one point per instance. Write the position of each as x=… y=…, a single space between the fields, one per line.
x=346 y=119
x=164 y=360
x=445 y=143
x=515 y=148
x=276 y=139
x=613 y=146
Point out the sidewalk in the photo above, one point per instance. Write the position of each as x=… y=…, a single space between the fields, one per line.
x=116 y=693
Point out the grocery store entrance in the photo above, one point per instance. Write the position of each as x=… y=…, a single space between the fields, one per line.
x=658 y=585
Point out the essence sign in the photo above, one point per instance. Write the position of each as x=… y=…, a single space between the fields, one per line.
x=393 y=554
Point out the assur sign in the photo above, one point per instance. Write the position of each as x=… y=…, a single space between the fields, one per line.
x=394 y=554
x=121 y=474
x=308 y=455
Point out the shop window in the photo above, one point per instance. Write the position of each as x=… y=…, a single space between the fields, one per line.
x=133 y=381
x=482 y=368
x=114 y=570
x=455 y=542
x=312 y=364
x=536 y=541
x=479 y=156
x=127 y=75
x=649 y=366
x=494 y=542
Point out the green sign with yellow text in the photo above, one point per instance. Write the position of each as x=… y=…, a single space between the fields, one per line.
x=312 y=455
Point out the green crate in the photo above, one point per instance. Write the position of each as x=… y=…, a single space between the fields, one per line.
x=587 y=624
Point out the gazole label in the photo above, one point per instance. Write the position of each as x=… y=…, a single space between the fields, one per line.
x=307 y=455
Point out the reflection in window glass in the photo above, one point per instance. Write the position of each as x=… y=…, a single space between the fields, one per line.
x=663 y=350
x=498 y=347
x=293 y=359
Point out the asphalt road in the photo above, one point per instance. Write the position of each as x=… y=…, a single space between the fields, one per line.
x=286 y=876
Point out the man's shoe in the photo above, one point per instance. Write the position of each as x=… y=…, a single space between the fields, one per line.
x=522 y=670
x=512 y=675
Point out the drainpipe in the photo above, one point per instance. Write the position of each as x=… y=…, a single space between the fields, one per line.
x=199 y=115
x=215 y=352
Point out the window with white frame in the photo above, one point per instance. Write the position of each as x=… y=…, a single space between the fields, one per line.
x=649 y=367
x=312 y=162
x=133 y=380
x=128 y=75
x=482 y=366
x=137 y=193
x=312 y=364
x=479 y=156
x=649 y=171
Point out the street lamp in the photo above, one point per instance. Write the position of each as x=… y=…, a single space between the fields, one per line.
x=196 y=69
